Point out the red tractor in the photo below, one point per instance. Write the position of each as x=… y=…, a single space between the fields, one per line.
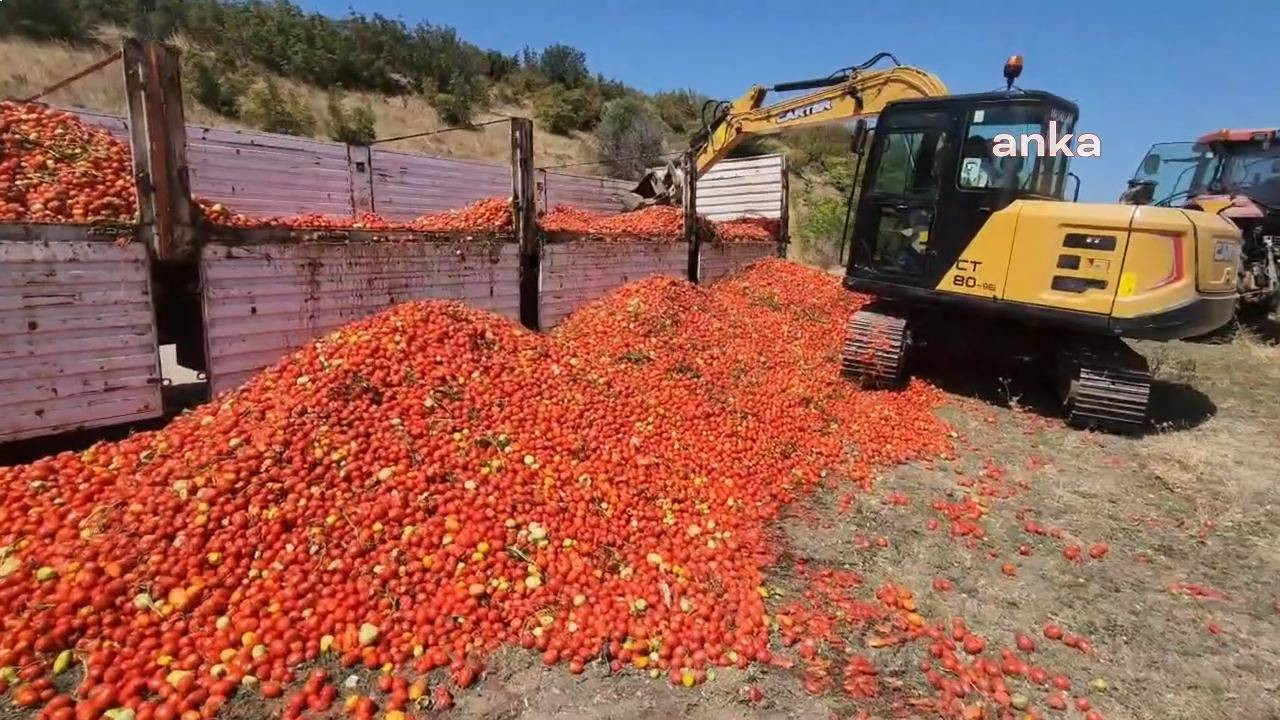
x=1236 y=174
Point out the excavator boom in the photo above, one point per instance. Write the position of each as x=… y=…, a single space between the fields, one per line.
x=848 y=94
x=844 y=98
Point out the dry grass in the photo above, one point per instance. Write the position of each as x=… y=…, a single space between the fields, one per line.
x=1193 y=502
x=27 y=66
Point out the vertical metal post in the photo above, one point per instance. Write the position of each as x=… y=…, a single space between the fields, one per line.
x=360 y=172
x=858 y=146
x=689 y=201
x=168 y=70
x=784 y=215
x=543 y=198
x=144 y=185
x=524 y=206
x=158 y=138
x=850 y=207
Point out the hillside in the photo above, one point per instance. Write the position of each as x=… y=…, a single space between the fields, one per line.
x=44 y=62
x=272 y=66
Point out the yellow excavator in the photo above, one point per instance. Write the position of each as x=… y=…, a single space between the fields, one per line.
x=970 y=249
x=852 y=93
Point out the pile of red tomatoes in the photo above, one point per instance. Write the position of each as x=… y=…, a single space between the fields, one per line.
x=415 y=489
x=53 y=168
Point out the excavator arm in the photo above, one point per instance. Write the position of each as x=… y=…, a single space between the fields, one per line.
x=845 y=95
x=839 y=99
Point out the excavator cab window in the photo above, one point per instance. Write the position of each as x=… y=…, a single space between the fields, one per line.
x=934 y=180
x=982 y=167
x=908 y=177
x=912 y=162
x=910 y=159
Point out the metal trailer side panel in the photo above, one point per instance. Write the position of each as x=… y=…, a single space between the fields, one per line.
x=256 y=173
x=77 y=336
x=722 y=259
x=589 y=192
x=406 y=185
x=746 y=187
x=749 y=187
x=264 y=174
x=263 y=301
x=576 y=272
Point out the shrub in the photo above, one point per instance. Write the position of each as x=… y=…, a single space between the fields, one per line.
x=813 y=148
x=562 y=111
x=629 y=137
x=458 y=103
x=820 y=222
x=354 y=126
x=214 y=84
x=564 y=65
x=44 y=19
x=269 y=107
x=525 y=81
x=363 y=125
x=680 y=109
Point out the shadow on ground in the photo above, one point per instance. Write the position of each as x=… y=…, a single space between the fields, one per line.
x=1012 y=383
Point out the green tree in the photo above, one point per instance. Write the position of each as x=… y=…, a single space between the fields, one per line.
x=353 y=126
x=269 y=107
x=44 y=19
x=562 y=111
x=681 y=110
x=629 y=137
x=564 y=65
x=457 y=106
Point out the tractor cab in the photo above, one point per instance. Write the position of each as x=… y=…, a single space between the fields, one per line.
x=1248 y=165
x=939 y=168
x=1228 y=163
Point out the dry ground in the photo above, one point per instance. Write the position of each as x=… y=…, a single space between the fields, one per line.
x=1194 y=501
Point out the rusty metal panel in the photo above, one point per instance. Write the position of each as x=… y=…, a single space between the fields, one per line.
x=262 y=174
x=721 y=259
x=747 y=187
x=77 y=337
x=589 y=192
x=575 y=273
x=406 y=185
x=263 y=301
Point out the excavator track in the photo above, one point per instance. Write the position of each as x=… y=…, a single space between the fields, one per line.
x=1106 y=386
x=875 y=353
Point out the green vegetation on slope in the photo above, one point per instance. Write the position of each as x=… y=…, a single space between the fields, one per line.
x=232 y=42
x=272 y=66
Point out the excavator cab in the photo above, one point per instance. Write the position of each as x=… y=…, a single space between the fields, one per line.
x=939 y=168
x=962 y=235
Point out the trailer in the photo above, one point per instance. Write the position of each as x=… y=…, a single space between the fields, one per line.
x=85 y=311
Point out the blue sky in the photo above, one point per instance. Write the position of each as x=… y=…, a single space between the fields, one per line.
x=1141 y=71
